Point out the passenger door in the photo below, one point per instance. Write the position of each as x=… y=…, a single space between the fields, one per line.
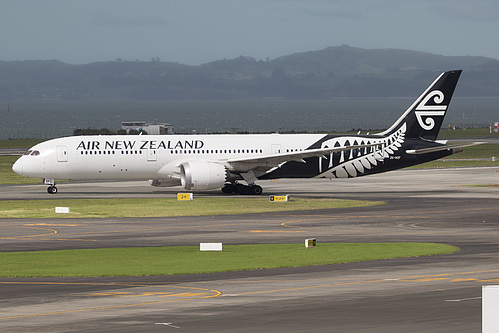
x=62 y=153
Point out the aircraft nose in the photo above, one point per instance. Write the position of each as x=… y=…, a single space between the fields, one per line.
x=18 y=167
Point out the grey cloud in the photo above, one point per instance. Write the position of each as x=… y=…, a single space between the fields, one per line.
x=479 y=10
x=336 y=13
x=105 y=18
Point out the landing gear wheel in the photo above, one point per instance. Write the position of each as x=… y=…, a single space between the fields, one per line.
x=256 y=189
x=228 y=188
x=52 y=189
x=243 y=189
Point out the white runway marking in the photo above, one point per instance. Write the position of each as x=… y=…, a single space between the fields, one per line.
x=167 y=324
x=463 y=299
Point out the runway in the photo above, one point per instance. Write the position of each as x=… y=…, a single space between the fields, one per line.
x=433 y=294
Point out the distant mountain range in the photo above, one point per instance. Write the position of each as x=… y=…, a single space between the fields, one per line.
x=334 y=72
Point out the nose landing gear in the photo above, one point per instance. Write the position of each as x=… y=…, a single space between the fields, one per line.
x=51 y=189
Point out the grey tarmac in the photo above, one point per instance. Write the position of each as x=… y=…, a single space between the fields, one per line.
x=433 y=294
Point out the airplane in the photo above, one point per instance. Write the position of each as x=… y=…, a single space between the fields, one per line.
x=235 y=162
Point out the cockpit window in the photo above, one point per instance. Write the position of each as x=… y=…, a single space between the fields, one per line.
x=32 y=152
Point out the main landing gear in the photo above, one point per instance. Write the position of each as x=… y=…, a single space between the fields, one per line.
x=242 y=189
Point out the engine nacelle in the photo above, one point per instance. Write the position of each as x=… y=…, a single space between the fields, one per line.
x=164 y=182
x=202 y=175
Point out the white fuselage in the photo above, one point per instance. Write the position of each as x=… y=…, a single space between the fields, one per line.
x=144 y=157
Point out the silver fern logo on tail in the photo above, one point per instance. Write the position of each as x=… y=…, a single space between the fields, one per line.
x=428 y=111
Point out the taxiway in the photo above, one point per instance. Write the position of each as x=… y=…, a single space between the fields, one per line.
x=434 y=294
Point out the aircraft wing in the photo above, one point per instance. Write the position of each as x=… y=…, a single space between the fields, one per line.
x=270 y=161
x=440 y=148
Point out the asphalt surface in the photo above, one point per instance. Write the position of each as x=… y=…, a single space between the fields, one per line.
x=426 y=294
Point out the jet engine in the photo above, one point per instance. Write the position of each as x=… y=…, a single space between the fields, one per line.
x=202 y=175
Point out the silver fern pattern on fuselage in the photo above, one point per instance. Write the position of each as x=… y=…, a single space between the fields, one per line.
x=353 y=163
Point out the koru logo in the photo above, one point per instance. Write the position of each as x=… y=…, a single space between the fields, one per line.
x=429 y=111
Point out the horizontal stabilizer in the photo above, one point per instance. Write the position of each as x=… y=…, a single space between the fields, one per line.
x=440 y=148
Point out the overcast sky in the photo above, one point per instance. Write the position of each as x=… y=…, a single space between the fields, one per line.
x=199 y=31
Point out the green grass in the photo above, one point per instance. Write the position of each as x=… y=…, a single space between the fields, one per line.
x=467 y=133
x=486 y=150
x=456 y=164
x=7 y=176
x=189 y=260
x=469 y=157
x=20 y=143
x=156 y=207
x=8 y=160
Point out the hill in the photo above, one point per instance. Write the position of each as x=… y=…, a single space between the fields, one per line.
x=334 y=72
x=346 y=60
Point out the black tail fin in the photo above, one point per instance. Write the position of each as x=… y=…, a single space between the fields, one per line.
x=425 y=116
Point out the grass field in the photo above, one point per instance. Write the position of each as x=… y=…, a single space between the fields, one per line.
x=474 y=156
x=172 y=260
x=486 y=150
x=155 y=207
x=467 y=133
x=456 y=164
x=20 y=143
x=7 y=176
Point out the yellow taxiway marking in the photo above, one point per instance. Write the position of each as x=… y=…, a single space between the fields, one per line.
x=277 y=231
x=298 y=223
x=144 y=294
x=52 y=225
x=52 y=232
x=204 y=293
x=428 y=279
x=419 y=278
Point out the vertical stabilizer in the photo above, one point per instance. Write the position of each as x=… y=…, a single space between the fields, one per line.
x=425 y=116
